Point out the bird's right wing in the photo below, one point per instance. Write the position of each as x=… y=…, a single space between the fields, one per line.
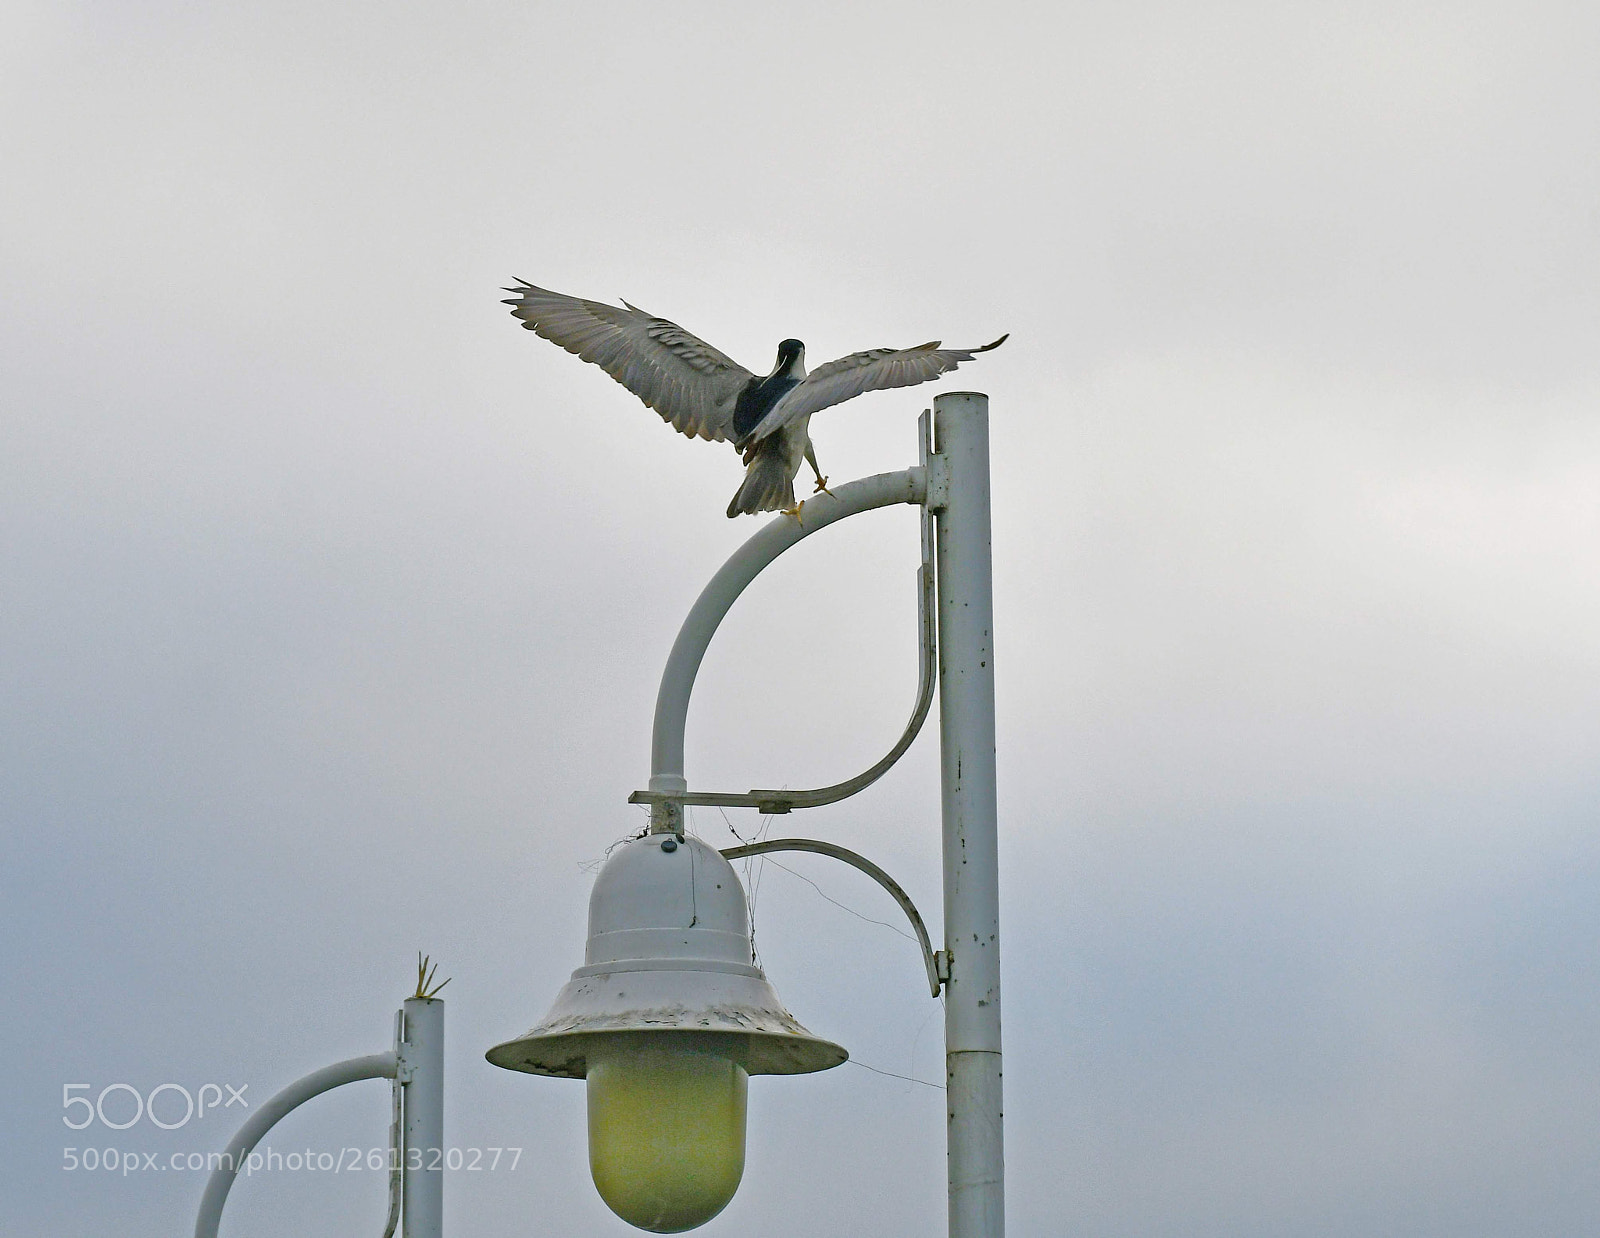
x=690 y=383
x=873 y=370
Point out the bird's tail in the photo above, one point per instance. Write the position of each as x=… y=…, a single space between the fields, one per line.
x=768 y=482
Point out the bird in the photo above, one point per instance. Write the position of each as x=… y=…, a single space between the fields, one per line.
x=703 y=393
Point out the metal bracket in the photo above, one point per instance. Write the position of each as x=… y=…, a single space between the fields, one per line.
x=937 y=469
x=666 y=806
x=929 y=959
x=402 y=1076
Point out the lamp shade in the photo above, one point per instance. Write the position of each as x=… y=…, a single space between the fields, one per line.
x=669 y=955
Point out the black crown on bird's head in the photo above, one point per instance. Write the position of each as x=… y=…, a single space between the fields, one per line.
x=789 y=351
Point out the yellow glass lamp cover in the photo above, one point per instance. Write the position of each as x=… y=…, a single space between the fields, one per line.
x=666 y=1130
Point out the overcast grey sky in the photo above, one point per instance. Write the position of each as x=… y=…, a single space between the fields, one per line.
x=334 y=603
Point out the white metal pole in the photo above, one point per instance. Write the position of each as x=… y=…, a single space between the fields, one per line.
x=971 y=859
x=422 y=1141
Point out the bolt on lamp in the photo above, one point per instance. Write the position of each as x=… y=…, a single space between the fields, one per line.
x=669 y=1015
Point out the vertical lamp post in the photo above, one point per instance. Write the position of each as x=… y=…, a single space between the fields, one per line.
x=968 y=807
x=669 y=1015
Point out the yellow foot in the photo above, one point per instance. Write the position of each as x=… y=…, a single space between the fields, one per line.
x=822 y=486
x=795 y=511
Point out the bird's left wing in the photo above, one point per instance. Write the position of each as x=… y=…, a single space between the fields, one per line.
x=691 y=384
x=873 y=370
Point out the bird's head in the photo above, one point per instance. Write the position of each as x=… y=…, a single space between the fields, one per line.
x=791 y=357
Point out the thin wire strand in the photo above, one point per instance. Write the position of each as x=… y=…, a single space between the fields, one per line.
x=938 y=1087
x=892 y=928
x=754 y=884
x=729 y=824
x=750 y=885
x=926 y=1019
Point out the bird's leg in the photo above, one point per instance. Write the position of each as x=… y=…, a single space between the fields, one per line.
x=794 y=511
x=822 y=482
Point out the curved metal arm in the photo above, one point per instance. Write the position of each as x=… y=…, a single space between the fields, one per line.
x=373 y=1066
x=669 y=790
x=929 y=959
x=777 y=801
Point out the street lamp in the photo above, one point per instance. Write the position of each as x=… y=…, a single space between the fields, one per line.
x=666 y=1020
x=669 y=1014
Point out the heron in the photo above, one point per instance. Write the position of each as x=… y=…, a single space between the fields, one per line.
x=703 y=393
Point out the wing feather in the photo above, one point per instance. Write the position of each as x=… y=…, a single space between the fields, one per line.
x=876 y=369
x=691 y=384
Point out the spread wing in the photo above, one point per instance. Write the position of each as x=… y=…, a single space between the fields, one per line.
x=683 y=378
x=873 y=370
